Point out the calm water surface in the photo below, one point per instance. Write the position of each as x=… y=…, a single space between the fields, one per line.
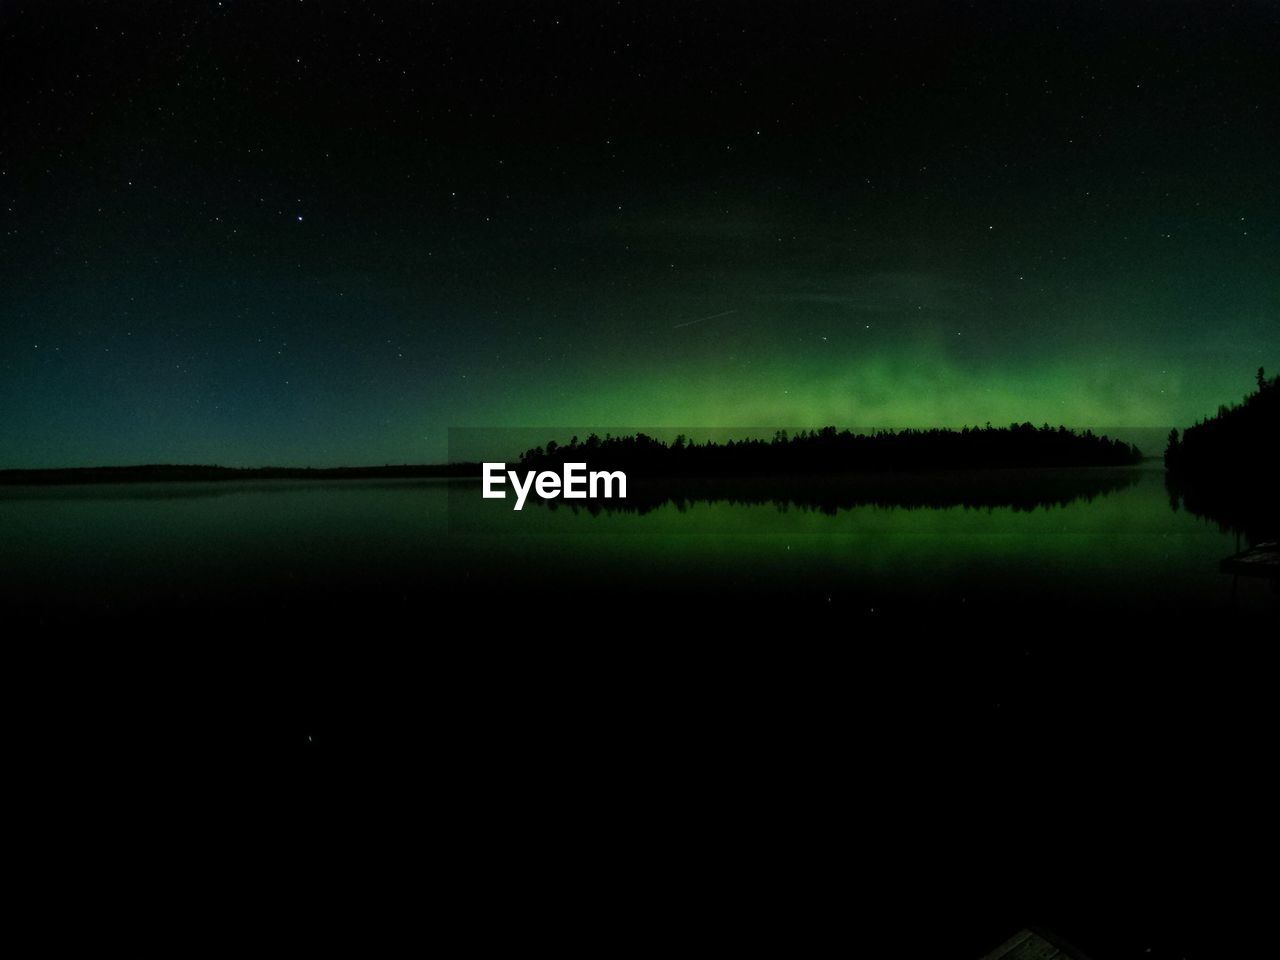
x=952 y=752
x=128 y=549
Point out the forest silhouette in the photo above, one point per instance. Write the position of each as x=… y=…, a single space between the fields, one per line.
x=828 y=451
x=1225 y=467
x=829 y=470
x=807 y=453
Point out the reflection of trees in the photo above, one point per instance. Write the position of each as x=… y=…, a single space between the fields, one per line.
x=1239 y=505
x=1020 y=490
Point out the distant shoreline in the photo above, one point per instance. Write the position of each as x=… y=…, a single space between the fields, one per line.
x=177 y=473
x=189 y=473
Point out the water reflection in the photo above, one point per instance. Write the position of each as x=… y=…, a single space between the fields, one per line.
x=996 y=549
x=1239 y=505
x=1015 y=490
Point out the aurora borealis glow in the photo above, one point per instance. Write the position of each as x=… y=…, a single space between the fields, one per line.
x=324 y=233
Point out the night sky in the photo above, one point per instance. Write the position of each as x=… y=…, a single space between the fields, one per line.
x=323 y=233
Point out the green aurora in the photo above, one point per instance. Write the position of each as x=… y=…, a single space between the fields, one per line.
x=220 y=251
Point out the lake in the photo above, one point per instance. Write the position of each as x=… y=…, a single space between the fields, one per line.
x=986 y=546
x=960 y=682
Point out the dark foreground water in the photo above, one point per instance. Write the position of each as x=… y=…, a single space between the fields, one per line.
x=915 y=714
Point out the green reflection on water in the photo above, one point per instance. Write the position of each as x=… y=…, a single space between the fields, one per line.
x=205 y=542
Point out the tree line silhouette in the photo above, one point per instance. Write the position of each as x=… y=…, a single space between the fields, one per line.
x=828 y=451
x=1225 y=467
x=1240 y=439
x=807 y=452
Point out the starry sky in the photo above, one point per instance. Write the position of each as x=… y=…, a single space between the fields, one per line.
x=323 y=232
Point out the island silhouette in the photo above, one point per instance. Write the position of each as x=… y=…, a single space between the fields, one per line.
x=829 y=451
x=829 y=470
